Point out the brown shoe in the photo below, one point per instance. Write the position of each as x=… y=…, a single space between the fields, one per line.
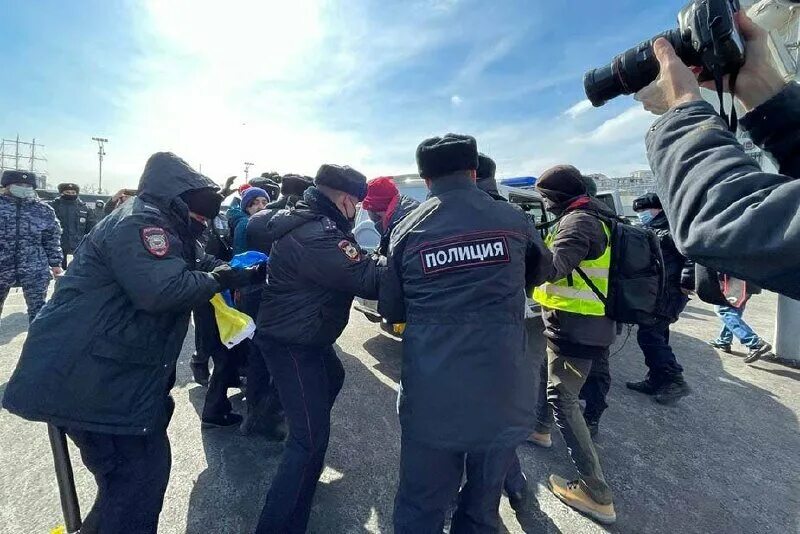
x=571 y=494
x=541 y=439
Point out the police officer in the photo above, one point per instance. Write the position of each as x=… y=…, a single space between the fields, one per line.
x=100 y=358
x=30 y=249
x=76 y=218
x=315 y=270
x=458 y=267
x=577 y=331
x=386 y=208
x=664 y=381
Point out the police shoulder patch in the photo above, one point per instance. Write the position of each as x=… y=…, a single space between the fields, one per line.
x=350 y=250
x=155 y=241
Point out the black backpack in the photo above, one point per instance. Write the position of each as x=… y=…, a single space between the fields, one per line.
x=636 y=281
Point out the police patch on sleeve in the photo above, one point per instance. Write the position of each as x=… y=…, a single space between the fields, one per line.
x=464 y=253
x=349 y=250
x=155 y=241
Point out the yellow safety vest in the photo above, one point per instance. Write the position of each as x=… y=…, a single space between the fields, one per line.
x=571 y=293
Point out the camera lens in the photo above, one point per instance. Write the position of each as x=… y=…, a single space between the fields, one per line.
x=601 y=85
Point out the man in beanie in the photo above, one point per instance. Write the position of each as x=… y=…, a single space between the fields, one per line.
x=386 y=208
x=76 y=218
x=315 y=270
x=664 y=380
x=99 y=360
x=577 y=332
x=458 y=267
x=30 y=250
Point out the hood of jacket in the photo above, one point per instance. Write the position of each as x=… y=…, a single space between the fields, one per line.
x=165 y=178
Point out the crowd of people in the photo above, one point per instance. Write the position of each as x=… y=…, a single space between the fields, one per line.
x=455 y=269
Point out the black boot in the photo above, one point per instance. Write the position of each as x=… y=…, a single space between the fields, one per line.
x=672 y=390
x=200 y=372
x=227 y=420
x=646 y=386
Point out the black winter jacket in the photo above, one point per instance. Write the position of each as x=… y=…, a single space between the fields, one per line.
x=101 y=354
x=76 y=218
x=579 y=236
x=315 y=270
x=458 y=268
x=725 y=212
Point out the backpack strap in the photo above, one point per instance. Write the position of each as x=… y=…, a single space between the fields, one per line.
x=592 y=286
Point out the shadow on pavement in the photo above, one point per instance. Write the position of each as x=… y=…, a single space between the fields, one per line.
x=389 y=353
x=699 y=311
x=12 y=325
x=228 y=495
x=785 y=373
x=714 y=462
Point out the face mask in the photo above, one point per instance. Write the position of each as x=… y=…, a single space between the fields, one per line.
x=551 y=206
x=196 y=227
x=645 y=217
x=69 y=196
x=21 y=191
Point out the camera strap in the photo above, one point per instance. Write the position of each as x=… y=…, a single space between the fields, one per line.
x=733 y=120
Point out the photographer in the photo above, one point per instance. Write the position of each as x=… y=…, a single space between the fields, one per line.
x=724 y=211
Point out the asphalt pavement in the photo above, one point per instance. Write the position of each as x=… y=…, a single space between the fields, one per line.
x=724 y=460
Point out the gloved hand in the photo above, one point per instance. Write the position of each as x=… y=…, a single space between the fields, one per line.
x=229 y=278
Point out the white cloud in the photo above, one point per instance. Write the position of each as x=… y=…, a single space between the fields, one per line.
x=630 y=124
x=456 y=100
x=579 y=109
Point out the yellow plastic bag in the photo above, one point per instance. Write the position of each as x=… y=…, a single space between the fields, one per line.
x=234 y=326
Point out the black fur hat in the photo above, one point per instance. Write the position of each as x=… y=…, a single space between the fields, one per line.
x=294 y=184
x=63 y=187
x=486 y=166
x=345 y=179
x=18 y=177
x=439 y=156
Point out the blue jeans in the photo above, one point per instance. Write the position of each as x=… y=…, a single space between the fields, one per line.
x=733 y=325
x=308 y=381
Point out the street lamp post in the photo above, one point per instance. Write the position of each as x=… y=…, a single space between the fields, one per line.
x=100 y=153
x=247 y=166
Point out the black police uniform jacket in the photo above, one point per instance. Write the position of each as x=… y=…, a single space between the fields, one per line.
x=77 y=219
x=458 y=270
x=315 y=270
x=101 y=354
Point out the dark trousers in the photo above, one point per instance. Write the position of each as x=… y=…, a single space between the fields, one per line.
x=131 y=474
x=226 y=362
x=430 y=480
x=594 y=392
x=566 y=376
x=515 y=479
x=658 y=356
x=308 y=380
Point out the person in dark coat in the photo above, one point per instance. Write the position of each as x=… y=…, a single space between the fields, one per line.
x=458 y=267
x=386 y=208
x=30 y=246
x=254 y=199
x=486 y=181
x=726 y=213
x=314 y=272
x=664 y=380
x=577 y=332
x=76 y=218
x=293 y=186
x=104 y=348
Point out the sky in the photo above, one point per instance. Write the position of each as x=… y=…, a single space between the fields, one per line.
x=289 y=85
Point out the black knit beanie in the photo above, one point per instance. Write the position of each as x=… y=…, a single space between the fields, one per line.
x=205 y=202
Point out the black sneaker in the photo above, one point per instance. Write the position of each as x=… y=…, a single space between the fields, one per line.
x=670 y=392
x=200 y=372
x=646 y=386
x=524 y=500
x=271 y=428
x=757 y=351
x=720 y=345
x=227 y=420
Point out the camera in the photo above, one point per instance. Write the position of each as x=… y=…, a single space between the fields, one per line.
x=706 y=37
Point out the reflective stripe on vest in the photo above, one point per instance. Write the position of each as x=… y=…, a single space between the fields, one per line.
x=571 y=293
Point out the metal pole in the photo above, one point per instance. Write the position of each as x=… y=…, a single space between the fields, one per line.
x=65 y=479
x=247 y=166
x=100 y=153
x=787 y=326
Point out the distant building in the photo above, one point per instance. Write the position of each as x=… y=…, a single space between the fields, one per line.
x=637 y=183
